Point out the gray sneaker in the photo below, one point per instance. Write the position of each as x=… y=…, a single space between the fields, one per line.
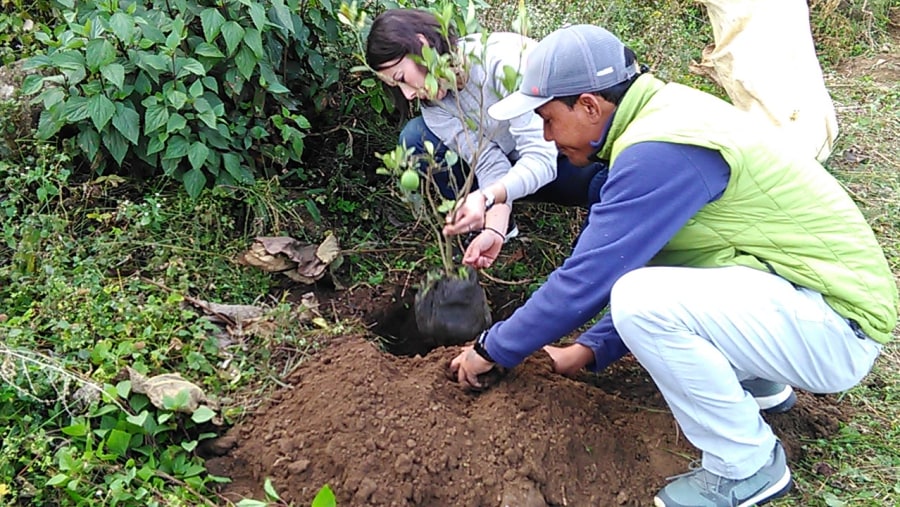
x=700 y=488
x=772 y=397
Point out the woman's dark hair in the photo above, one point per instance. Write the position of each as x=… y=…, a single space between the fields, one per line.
x=614 y=93
x=395 y=34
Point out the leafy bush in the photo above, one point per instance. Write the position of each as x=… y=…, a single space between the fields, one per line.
x=210 y=92
x=17 y=25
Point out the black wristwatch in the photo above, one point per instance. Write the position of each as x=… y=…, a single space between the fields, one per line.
x=480 y=349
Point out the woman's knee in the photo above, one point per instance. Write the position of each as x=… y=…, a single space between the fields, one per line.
x=414 y=134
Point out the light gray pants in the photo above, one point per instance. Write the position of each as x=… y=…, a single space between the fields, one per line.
x=700 y=331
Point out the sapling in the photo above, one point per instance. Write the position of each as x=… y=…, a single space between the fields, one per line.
x=450 y=305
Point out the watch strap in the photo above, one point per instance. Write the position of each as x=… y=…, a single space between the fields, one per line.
x=480 y=349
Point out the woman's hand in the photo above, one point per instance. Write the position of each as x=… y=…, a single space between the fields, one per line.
x=483 y=250
x=468 y=215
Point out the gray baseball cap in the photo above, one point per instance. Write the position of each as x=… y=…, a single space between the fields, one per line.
x=570 y=61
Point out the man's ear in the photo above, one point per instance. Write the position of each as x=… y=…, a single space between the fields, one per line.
x=422 y=39
x=595 y=106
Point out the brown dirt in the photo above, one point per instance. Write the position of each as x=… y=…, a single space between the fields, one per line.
x=387 y=430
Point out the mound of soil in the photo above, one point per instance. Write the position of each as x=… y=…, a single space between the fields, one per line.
x=396 y=431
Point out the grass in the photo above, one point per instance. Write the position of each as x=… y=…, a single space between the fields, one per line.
x=76 y=253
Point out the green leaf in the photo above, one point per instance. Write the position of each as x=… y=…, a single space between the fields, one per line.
x=76 y=109
x=273 y=83
x=176 y=123
x=123 y=26
x=208 y=50
x=317 y=63
x=253 y=40
x=101 y=109
x=258 y=15
x=324 y=498
x=116 y=144
x=37 y=62
x=210 y=83
x=245 y=61
x=177 y=99
x=155 y=117
x=297 y=145
x=283 y=14
x=114 y=73
x=247 y=502
x=271 y=494
x=302 y=122
x=89 y=142
x=59 y=479
x=51 y=96
x=201 y=105
x=202 y=414
x=118 y=441
x=208 y=118
x=127 y=121
x=154 y=61
x=194 y=181
x=138 y=420
x=68 y=60
x=99 y=53
x=151 y=32
x=187 y=66
x=197 y=154
x=212 y=21
x=142 y=83
x=196 y=89
x=233 y=33
x=123 y=389
x=234 y=166
x=76 y=430
x=189 y=446
x=32 y=84
x=156 y=144
x=177 y=147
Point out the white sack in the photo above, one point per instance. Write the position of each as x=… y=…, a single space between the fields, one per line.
x=765 y=60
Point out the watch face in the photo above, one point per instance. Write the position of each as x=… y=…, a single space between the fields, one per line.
x=488 y=198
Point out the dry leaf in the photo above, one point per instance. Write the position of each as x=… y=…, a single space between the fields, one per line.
x=168 y=384
x=300 y=262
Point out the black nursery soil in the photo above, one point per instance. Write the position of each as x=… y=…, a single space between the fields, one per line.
x=385 y=430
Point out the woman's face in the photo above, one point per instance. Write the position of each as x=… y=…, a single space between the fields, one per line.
x=410 y=77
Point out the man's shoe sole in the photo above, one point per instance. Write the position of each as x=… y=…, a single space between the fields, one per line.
x=778 y=403
x=781 y=488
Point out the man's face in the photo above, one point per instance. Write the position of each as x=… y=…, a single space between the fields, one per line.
x=573 y=129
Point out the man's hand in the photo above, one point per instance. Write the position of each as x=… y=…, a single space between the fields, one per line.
x=467 y=366
x=468 y=215
x=483 y=250
x=570 y=360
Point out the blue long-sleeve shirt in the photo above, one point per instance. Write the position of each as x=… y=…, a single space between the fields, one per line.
x=653 y=189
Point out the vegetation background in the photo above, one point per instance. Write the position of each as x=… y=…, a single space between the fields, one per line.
x=145 y=145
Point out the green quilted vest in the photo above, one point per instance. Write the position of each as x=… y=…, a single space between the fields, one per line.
x=779 y=213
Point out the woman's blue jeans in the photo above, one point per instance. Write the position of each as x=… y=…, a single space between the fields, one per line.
x=573 y=186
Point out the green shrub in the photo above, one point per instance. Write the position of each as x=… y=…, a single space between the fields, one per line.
x=208 y=92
